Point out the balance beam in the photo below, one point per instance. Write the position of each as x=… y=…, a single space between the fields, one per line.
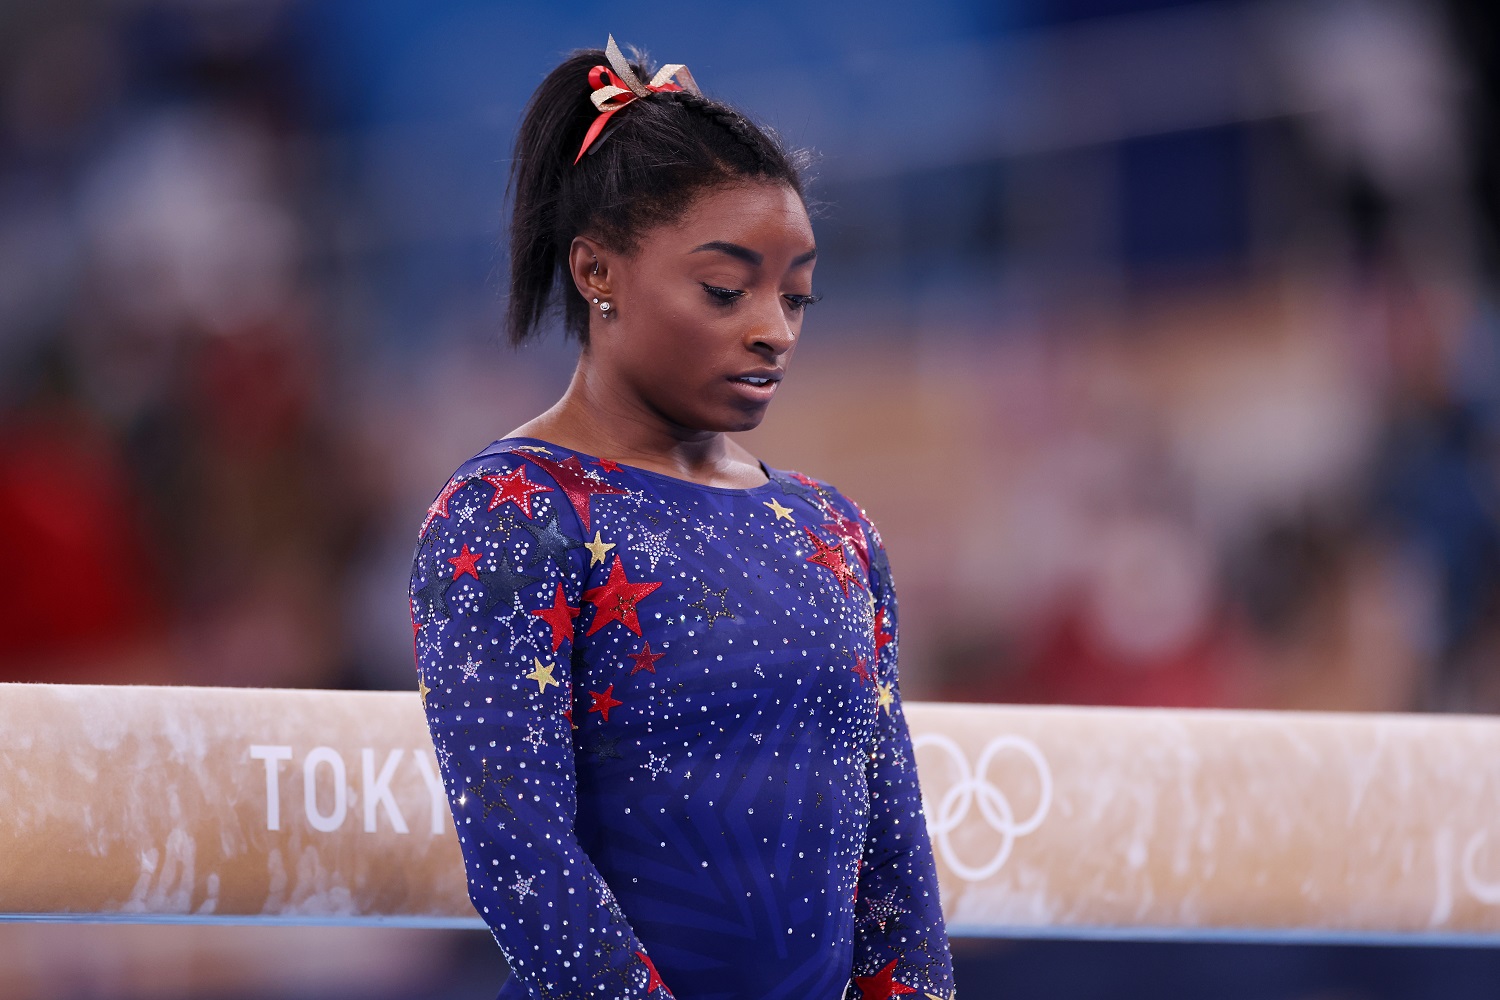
x=217 y=805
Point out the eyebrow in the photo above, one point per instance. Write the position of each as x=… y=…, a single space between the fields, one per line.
x=747 y=255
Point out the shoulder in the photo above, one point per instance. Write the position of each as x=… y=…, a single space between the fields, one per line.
x=831 y=500
x=843 y=518
x=498 y=456
x=499 y=472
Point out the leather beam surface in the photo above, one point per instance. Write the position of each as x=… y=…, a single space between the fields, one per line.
x=195 y=805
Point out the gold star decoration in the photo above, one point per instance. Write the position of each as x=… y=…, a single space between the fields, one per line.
x=782 y=513
x=533 y=448
x=422 y=688
x=542 y=675
x=597 y=548
x=886 y=695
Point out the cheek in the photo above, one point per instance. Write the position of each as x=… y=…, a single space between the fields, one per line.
x=676 y=339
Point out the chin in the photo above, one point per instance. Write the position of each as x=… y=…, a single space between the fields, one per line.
x=731 y=425
x=720 y=419
x=745 y=421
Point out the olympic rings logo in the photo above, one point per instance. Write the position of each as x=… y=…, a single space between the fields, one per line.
x=1486 y=892
x=996 y=809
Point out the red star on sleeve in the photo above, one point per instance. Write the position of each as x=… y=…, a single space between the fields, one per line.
x=465 y=562
x=654 y=978
x=882 y=637
x=645 y=659
x=848 y=530
x=607 y=465
x=604 y=701
x=860 y=669
x=616 y=601
x=514 y=487
x=882 y=985
x=575 y=482
x=560 y=617
x=831 y=558
x=439 y=506
x=568 y=714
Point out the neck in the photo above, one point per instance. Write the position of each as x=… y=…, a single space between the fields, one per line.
x=599 y=416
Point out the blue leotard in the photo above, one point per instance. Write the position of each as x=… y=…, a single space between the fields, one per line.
x=669 y=724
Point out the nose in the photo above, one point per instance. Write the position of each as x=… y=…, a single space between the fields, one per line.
x=771 y=332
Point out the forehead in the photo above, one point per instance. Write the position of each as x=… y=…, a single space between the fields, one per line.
x=766 y=217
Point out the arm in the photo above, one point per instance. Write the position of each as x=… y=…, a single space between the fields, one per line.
x=898 y=911
x=495 y=683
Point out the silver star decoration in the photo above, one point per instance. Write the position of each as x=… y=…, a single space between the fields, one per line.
x=535 y=736
x=522 y=886
x=520 y=636
x=470 y=667
x=656 y=764
x=654 y=545
x=466 y=512
x=881 y=911
x=637 y=497
x=517 y=608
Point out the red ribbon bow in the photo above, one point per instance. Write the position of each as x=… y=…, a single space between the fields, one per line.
x=616 y=85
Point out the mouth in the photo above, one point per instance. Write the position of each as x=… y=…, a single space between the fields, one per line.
x=757 y=387
x=758 y=378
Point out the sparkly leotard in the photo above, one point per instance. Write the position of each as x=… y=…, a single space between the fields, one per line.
x=670 y=729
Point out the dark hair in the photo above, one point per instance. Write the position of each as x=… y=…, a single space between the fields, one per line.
x=655 y=156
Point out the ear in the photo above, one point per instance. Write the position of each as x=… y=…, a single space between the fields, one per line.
x=588 y=262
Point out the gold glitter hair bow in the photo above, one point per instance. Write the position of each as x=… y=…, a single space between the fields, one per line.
x=616 y=85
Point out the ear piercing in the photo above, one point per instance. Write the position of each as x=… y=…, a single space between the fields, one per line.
x=603 y=306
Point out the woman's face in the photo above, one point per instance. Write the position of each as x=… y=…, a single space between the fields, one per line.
x=706 y=313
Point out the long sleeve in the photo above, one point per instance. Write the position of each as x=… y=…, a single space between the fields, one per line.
x=900 y=936
x=498 y=577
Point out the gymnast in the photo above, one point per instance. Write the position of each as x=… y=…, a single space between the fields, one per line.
x=660 y=675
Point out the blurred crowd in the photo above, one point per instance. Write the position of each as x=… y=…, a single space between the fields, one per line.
x=1192 y=414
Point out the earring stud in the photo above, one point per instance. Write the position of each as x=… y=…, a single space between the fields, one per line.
x=604 y=307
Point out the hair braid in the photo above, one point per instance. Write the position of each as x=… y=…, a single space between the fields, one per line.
x=731 y=121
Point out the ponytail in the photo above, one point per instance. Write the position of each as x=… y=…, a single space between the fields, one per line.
x=654 y=157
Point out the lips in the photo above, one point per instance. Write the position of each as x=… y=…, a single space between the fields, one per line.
x=756 y=387
x=761 y=377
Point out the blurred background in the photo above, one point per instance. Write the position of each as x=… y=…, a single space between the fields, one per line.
x=1161 y=340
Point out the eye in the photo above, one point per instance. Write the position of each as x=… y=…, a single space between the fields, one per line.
x=801 y=301
x=724 y=296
